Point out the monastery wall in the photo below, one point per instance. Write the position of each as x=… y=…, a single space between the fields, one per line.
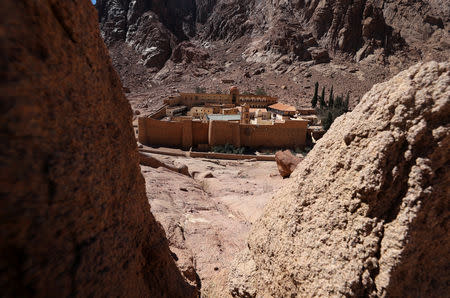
x=153 y=132
x=199 y=132
x=159 y=114
x=197 y=99
x=194 y=99
x=188 y=133
x=173 y=101
x=223 y=132
x=290 y=134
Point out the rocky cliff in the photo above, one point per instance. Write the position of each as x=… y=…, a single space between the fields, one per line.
x=75 y=220
x=294 y=28
x=367 y=211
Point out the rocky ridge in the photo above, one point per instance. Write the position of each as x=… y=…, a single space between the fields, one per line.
x=75 y=220
x=366 y=212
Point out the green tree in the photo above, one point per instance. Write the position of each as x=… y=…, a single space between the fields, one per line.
x=338 y=102
x=322 y=102
x=331 y=98
x=260 y=91
x=346 y=102
x=200 y=90
x=328 y=121
x=316 y=95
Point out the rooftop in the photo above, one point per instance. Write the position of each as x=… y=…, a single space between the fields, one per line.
x=283 y=107
x=259 y=109
x=220 y=117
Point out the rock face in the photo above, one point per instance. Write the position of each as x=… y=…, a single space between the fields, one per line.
x=286 y=162
x=75 y=218
x=389 y=32
x=291 y=27
x=151 y=39
x=151 y=28
x=117 y=18
x=367 y=212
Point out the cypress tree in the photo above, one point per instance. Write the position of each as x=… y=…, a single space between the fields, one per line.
x=338 y=101
x=315 y=97
x=331 y=98
x=346 y=102
x=322 y=99
x=328 y=121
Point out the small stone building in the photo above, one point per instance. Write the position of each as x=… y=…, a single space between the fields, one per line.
x=282 y=111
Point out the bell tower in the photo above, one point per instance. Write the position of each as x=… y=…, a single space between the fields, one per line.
x=234 y=92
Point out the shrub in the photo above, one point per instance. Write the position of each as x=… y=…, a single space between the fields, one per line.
x=260 y=91
x=200 y=89
x=228 y=148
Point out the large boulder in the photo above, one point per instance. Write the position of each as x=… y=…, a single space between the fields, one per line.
x=75 y=218
x=286 y=162
x=319 y=55
x=367 y=212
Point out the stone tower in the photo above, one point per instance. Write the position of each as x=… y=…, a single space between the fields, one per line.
x=234 y=92
x=245 y=114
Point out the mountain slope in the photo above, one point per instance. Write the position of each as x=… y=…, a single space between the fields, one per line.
x=348 y=44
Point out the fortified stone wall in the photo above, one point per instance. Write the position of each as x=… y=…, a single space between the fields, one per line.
x=291 y=134
x=224 y=132
x=199 y=132
x=160 y=133
x=188 y=133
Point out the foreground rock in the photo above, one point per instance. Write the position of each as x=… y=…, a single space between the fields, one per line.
x=286 y=162
x=75 y=217
x=150 y=161
x=367 y=211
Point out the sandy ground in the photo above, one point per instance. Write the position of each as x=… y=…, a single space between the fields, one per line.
x=207 y=220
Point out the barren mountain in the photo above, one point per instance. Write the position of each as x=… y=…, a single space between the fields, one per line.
x=348 y=44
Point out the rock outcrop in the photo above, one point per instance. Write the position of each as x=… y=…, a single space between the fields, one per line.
x=75 y=218
x=150 y=161
x=151 y=28
x=367 y=211
x=151 y=39
x=286 y=162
